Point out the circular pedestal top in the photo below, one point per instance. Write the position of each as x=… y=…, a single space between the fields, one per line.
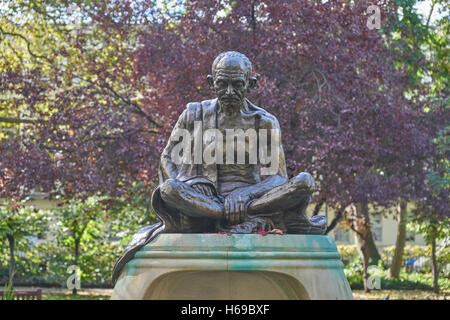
x=201 y=242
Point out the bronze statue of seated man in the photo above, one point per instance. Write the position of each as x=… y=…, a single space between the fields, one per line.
x=226 y=191
x=229 y=195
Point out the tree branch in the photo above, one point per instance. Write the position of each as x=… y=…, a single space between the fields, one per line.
x=137 y=108
x=356 y=231
x=318 y=206
x=253 y=17
x=16 y=120
x=338 y=217
x=431 y=12
x=13 y=34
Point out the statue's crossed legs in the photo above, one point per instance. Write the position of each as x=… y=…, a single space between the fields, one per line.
x=285 y=205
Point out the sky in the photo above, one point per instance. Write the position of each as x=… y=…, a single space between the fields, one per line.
x=424 y=7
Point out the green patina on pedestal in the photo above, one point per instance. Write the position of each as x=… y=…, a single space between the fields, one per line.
x=237 y=266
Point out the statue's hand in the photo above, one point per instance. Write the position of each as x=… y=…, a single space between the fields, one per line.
x=204 y=189
x=235 y=207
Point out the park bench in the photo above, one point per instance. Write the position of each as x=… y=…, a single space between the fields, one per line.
x=26 y=294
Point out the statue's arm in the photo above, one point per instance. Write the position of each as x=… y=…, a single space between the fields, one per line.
x=167 y=165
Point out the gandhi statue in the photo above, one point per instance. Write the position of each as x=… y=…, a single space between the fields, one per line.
x=225 y=194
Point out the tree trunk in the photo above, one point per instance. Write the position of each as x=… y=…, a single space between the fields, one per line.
x=364 y=241
x=12 y=265
x=397 y=259
x=434 y=266
x=374 y=255
x=15 y=120
x=318 y=206
x=337 y=218
x=363 y=223
x=77 y=254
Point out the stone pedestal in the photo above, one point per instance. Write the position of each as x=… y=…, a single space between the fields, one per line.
x=238 y=266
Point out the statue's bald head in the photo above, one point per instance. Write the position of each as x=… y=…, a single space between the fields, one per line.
x=231 y=80
x=232 y=60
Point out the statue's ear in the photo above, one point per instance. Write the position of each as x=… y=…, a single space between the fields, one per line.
x=251 y=83
x=210 y=80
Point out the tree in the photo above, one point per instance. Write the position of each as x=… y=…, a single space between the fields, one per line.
x=128 y=213
x=23 y=167
x=78 y=222
x=414 y=41
x=74 y=83
x=115 y=82
x=433 y=211
x=330 y=81
x=397 y=259
x=421 y=52
x=332 y=91
x=16 y=223
x=434 y=228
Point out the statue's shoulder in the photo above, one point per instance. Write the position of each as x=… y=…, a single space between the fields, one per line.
x=267 y=120
x=194 y=110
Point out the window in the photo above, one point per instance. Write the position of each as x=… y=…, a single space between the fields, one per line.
x=410 y=235
x=341 y=235
x=376 y=226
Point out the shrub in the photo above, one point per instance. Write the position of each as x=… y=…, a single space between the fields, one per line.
x=348 y=252
x=414 y=251
x=46 y=264
x=406 y=281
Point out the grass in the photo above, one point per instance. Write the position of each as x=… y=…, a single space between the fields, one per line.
x=401 y=295
x=358 y=295
x=82 y=295
x=56 y=293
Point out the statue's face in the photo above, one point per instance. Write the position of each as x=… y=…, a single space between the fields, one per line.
x=230 y=82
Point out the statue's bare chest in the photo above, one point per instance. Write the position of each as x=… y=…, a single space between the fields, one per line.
x=239 y=137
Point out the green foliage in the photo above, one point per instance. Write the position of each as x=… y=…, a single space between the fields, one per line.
x=80 y=221
x=414 y=251
x=431 y=227
x=47 y=264
x=16 y=223
x=350 y=252
x=130 y=213
x=422 y=46
x=406 y=281
x=69 y=296
x=8 y=291
x=19 y=221
x=63 y=57
x=103 y=226
x=354 y=272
